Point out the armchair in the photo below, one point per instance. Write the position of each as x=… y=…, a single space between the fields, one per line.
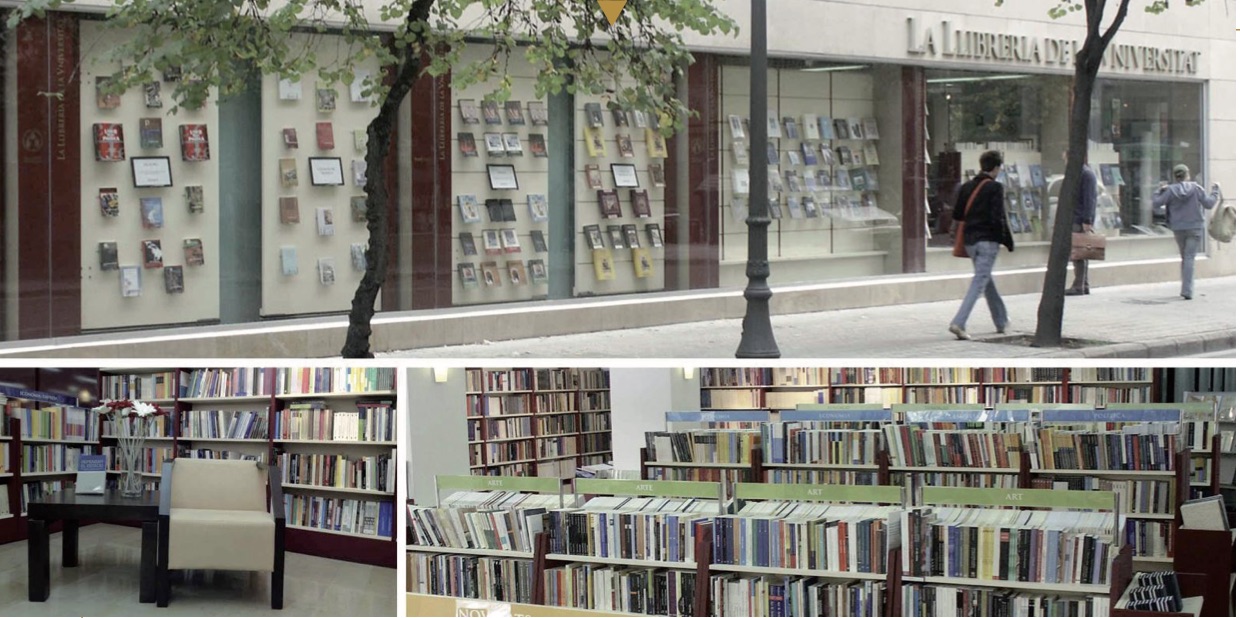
x=213 y=514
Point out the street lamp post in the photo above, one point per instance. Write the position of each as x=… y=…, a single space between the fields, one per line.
x=757 y=336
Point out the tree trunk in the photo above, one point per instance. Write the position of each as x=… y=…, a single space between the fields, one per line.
x=378 y=144
x=1088 y=60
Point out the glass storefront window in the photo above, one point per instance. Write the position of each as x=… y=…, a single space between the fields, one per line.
x=1138 y=131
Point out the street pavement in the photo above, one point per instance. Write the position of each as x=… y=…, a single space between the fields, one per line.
x=1138 y=321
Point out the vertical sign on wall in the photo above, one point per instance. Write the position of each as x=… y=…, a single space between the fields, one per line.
x=49 y=186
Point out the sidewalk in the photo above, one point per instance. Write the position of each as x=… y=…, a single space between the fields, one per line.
x=1136 y=321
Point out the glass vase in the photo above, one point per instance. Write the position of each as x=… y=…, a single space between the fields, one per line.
x=130 y=437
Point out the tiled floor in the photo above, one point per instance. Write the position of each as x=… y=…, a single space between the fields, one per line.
x=106 y=584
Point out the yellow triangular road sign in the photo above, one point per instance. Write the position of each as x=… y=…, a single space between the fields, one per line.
x=612 y=8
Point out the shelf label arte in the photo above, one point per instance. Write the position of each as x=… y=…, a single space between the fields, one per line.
x=498 y=483
x=1032 y=498
x=662 y=489
x=820 y=493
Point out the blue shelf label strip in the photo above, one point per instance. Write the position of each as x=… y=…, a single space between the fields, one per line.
x=718 y=417
x=835 y=415
x=1111 y=416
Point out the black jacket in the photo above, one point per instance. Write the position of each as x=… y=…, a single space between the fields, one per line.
x=987 y=219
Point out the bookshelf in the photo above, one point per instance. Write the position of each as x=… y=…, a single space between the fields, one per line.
x=41 y=436
x=537 y=422
x=786 y=388
x=331 y=430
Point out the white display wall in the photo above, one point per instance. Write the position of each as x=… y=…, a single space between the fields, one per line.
x=837 y=231
x=304 y=292
x=625 y=278
x=103 y=305
x=470 y=178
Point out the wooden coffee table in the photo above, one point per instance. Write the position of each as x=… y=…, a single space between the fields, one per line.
x=72 y=509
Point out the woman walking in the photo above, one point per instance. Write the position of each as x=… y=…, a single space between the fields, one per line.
x=979 y=208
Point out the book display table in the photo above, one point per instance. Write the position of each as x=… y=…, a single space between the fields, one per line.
x=72 y=509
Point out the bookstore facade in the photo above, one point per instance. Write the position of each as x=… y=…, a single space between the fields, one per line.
x=249 y=209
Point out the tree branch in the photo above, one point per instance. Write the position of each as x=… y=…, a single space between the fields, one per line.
x=1114 y=27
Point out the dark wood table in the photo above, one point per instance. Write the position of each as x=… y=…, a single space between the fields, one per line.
x=72 y=509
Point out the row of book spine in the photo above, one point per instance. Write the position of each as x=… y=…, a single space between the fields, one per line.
x=497 y=405
x=557 y=447
x=916 y=446
x=556 y=425
x=5 y=454
x=472 y=577
x=799 y=376
x=733 y=595
x=39 y=490
x=161 y=385
x=645 y=591
x=794 y=444
x=596 y=443
x=554 y=402
x=1102 y=395
x=556 y=379
x=701 y=446
x=154 y=426
x=373 y=473
x=480 y=380
x=658 y=537
x=596 y=421
x=993 y=375
x=51 y=457
x=943 y=394
x=55 y=423
x=151 y=459
x=820 y=477
x=206 y=453
x=941 y=375
x=234 y=382
x=596 y=401
x=1110 y=374
x=595 y=379
x=224 y=424
x=367 y=422
x=324 y=380
x=941 y=600
x=1024 y=546
x=348 y=515
x=736 y=377
x=854 y=542
x=866 y=375
x=1136 y=495
x=1062 y=450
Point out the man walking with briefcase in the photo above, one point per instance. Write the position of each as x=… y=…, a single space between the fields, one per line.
x=1083 y=223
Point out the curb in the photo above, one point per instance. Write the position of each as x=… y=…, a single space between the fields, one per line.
x=1167 y=347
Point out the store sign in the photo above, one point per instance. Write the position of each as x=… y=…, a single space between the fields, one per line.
x=946 y=41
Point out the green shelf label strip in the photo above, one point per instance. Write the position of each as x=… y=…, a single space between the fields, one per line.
x=657 y=489
x=527 y=484
x=1032 y=498
x=881 y=494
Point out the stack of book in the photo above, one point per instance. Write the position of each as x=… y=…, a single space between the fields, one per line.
x=1152 y=592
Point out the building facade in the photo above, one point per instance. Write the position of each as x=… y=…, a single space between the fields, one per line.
x=245 y=212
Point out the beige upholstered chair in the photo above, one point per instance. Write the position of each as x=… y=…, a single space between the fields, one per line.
x=213 y=515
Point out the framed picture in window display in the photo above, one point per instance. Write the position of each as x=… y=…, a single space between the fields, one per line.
x=625 y=175
x=326 y=171
x=502 y=177
x=151 y=172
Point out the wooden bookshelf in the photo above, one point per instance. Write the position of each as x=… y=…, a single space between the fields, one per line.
x=201 y=409
x=537 y=422
x=771 y=389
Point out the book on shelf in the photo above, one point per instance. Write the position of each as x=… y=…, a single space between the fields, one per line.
x=844 y=538
x=224 y=424
x=701 y=446
x=594 y=530
x=369 y=518
x=1056 y=449
x=642 y=591
x=1209 y=513
x=369 y=472
x=792 y=443
x=915 y=446
x=1152 y=592
x=1050 y=547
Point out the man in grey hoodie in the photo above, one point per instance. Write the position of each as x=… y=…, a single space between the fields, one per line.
x=1185 y=201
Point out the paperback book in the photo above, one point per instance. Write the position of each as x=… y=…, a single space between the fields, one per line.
x=174 y=279
x=109 y=141
x=108 y=257
x=193 y=199
x=151 y=132
x=152 y=254
x=193 y=252
x=109 y=202
x=195 y=145
x=152 y=212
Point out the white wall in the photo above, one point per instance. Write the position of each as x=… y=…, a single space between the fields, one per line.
x=639 y=399
x=436 y=428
